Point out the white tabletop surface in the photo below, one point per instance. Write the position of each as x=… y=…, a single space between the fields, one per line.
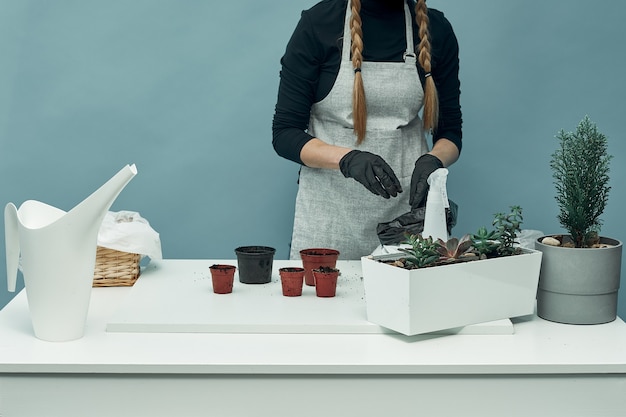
x=176 y=296
x=536 y=347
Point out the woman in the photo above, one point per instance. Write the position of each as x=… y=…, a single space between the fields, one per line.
x=354 y=77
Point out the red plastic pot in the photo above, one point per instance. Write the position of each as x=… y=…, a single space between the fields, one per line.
x=316 y=258
x=325 y=281
x=222 y=277
x=291 y=279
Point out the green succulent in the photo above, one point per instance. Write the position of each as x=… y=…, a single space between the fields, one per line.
x=423 y=251
x=507 y=226
x=485 y=242
x=502 y=239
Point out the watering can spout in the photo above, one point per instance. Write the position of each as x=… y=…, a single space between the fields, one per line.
x=94 y=208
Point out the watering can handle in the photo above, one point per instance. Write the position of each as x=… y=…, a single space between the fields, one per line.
x=11 y=235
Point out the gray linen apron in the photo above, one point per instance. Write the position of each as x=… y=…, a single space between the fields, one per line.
x=337 y=212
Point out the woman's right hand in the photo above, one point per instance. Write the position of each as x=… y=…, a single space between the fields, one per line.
x=372 y=171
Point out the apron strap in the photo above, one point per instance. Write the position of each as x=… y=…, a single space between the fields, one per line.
x=409 y=55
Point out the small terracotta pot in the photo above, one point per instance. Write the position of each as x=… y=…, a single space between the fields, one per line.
x=222 y=277
x=316 y=258
x=325 y=281
x=291 y=279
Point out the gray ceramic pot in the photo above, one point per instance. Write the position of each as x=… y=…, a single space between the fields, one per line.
x=579 y=285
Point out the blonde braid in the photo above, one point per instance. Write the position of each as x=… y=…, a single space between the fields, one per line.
x=359 y=109
x=431 y=99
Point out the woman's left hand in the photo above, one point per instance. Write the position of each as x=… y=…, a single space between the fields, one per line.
x=424 y=166
x=443 y=154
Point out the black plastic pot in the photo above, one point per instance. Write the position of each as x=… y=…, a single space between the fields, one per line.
x=255 y=264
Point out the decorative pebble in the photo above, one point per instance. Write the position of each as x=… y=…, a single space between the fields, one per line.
x=602 y=245
x=550 y=241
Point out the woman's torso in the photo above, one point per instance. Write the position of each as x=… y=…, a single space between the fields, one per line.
x=311 y=63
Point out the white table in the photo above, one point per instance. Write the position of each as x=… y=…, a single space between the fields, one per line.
x=543 y=369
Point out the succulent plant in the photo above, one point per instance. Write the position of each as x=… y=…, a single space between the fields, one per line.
x=453 y=248
x=485 y=242
x=500 y=241
x=507 y=226
x=423 y=251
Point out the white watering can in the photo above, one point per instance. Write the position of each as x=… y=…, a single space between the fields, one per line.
x=58 y=257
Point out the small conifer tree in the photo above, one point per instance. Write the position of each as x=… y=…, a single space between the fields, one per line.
x=580 y=168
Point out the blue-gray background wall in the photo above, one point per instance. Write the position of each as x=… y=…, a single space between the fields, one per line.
x=186 y=90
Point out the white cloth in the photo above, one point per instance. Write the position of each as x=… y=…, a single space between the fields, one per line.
x=127 y=231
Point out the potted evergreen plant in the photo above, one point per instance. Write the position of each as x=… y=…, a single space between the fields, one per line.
x=433 y=285
x=580 y=271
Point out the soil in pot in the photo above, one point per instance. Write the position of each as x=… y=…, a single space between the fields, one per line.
x=325 y=281
x=255 y=264
x=291 y=279
x=222 y=277
x=316 y=258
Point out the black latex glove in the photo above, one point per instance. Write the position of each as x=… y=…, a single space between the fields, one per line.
x=372 y=171
x=424 y=166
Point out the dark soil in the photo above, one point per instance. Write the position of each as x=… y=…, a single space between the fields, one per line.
x=291 y=269
x=326 y=269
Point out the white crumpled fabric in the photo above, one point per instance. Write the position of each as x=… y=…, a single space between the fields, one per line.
x=127 y=231
x=527 y=238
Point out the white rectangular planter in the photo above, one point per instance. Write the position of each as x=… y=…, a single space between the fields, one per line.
x=443 y=297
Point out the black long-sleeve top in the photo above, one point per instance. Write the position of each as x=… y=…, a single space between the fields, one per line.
x=312 y=57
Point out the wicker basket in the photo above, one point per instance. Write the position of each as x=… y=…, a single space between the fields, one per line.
x=115 y=268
